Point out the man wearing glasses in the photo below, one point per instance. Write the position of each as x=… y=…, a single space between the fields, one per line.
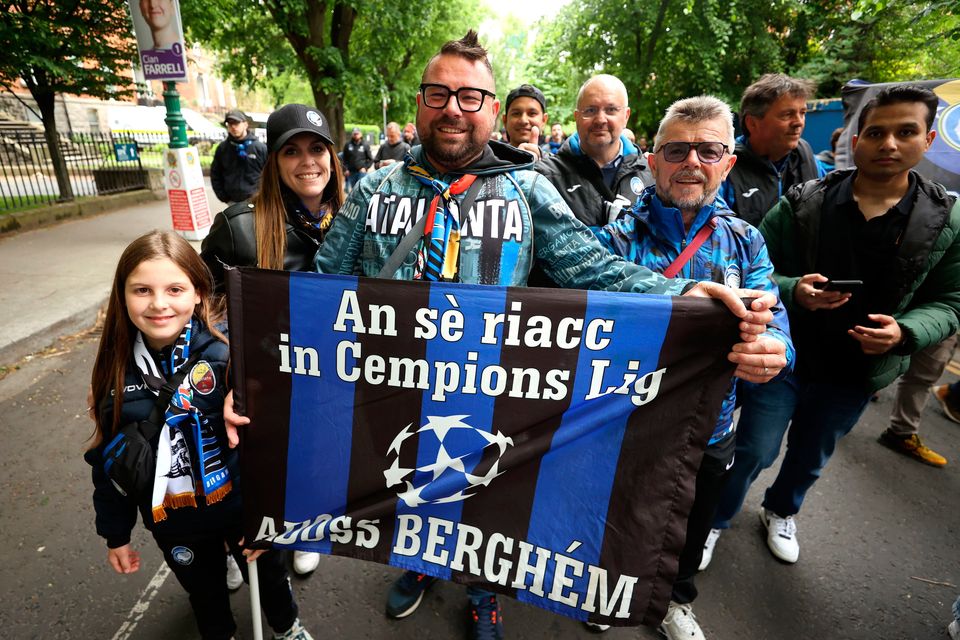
x=515 y=213
x=598 y=171
x=691 y=158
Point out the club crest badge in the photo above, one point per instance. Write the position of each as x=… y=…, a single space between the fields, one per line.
x=202 y=378
x=460 y=449
x=732 y=276
x=182 y=555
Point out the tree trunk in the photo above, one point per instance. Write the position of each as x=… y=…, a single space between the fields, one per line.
x=332 y=107
x=47 y=106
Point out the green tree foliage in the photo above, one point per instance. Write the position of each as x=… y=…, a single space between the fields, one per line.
x=392 y=45
x=65 y=46
x=348 y=52
x=664 y=50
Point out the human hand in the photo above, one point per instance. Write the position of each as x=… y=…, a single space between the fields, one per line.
x=124 y=559
x=760 y=360
x=387 y=161
x=875 y=341
x=252 y=554
x=232 y=420
x=753 y=320
x=805 y=295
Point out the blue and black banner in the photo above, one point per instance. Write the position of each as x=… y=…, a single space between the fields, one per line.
x=542 y=443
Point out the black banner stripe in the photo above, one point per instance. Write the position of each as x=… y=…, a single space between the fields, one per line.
x=263 y=476
x=381 y=412
x=645 y=475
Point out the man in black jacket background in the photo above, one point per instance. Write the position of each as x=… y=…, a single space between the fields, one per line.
x=598 y=171
x=771 y=155
x=357 y=158
x=238 y=161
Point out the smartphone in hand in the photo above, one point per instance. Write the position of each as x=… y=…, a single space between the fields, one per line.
x=843 y=286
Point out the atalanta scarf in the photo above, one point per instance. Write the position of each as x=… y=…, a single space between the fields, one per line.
x=438 y=258
x=186 y=435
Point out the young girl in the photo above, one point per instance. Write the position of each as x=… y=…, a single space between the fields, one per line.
x=159 y=315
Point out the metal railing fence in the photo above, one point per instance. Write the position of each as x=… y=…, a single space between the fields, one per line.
x=97 y=164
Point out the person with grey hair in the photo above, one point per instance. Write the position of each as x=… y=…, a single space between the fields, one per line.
x=691 y=157
x=772 y=157
x=393 y=149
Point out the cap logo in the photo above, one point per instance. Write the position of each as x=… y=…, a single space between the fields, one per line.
x=314 y=118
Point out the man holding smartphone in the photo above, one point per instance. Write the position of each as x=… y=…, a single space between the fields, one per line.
x=881 y=224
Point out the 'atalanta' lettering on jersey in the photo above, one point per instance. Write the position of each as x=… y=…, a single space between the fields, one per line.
x=494 y=218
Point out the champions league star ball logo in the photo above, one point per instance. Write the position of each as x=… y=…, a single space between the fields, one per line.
x=459 y=447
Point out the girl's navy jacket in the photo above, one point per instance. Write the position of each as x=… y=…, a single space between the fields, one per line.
x=116 y=514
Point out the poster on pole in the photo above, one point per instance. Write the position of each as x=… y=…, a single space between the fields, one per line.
x=156 y=24
x=540 y=443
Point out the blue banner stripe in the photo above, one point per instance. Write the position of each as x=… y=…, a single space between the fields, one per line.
x=467 y=354
x=579 y=478
x=321 y=408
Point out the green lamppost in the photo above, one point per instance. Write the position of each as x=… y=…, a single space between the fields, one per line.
x=176 y=125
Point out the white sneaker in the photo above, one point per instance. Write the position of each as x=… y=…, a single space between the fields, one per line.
x=680 y=623
x=234 y=577
x=708 y=546
x=954 y=630
x=594 y=627
x=781 y=535
x=305 y=562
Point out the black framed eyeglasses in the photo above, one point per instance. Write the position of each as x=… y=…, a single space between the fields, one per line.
x=708 y=152
x=469 y=99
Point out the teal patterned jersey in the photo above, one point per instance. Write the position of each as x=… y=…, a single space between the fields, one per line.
x=518 y=218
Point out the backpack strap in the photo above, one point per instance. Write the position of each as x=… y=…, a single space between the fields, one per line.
x=416 y=233
x=686 y=254
x=155 y=421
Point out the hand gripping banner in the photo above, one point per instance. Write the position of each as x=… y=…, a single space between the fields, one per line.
x=542 y=443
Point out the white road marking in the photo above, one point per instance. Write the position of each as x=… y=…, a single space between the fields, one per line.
x=140 y=608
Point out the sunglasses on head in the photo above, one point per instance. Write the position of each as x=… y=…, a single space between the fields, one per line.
x=708 y=152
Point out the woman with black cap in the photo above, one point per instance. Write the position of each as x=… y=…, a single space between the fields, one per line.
x=283 y=224
x=300 y=190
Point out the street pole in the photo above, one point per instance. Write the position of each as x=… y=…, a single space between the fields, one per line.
x=383 y=96
x=176 y=125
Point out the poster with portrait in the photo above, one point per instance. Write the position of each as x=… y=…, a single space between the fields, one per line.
x=159 y=33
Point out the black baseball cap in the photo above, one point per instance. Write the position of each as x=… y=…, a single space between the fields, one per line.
x=291 y=119
x=529 y=91
x=235 y=115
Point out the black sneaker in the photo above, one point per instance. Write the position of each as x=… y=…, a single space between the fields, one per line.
x=406 y=593
x=485 y=621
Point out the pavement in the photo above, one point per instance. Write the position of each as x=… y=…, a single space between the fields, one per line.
x=56 y=279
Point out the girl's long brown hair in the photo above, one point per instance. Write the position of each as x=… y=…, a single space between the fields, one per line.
x=270 y=214
x=116 y=342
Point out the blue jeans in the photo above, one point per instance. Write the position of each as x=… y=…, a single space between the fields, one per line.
x=821 y=414
x=765 y=413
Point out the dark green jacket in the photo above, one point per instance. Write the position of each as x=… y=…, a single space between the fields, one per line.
x=928 y=265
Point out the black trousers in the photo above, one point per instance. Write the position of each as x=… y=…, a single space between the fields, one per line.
x=200 y=565
x=713 y=472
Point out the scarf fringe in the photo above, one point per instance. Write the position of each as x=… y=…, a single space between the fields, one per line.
x=219 y=494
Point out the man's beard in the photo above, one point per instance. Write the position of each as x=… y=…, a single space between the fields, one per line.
x=454 y=156
x=689 y=203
